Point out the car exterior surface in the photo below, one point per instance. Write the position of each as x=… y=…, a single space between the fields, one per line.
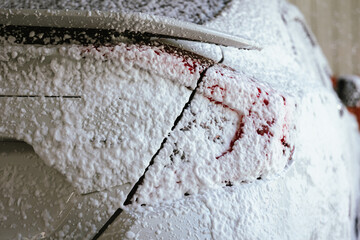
x=181 y=140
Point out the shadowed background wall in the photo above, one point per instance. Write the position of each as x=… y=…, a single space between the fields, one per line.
x=336 y=25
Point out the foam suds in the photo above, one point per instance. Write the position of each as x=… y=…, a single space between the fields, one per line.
x=264 y=149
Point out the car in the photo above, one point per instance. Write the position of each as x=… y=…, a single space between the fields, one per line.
x=156 y=130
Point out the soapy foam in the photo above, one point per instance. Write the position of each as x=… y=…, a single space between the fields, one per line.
x=321 y=183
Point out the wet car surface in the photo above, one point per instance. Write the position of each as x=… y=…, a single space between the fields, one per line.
x=237 y=144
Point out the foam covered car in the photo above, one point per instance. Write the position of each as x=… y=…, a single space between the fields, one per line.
x=145 y=134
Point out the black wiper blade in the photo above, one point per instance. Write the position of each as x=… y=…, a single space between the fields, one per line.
x=122 y=23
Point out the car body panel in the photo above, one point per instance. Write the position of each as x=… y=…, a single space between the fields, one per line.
x=312 y=195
